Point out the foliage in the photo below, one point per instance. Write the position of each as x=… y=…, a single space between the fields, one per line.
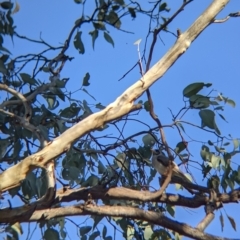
x=35 y=112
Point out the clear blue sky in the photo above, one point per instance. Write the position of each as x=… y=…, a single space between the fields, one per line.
x=213 y=57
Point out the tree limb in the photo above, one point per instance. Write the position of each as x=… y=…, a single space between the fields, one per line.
x=157 y=218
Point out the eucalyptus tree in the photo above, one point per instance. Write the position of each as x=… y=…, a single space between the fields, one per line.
x=62 y=156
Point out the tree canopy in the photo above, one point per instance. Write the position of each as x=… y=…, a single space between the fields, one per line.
x=74 y=158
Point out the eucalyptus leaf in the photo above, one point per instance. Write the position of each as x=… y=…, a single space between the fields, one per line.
x=108 y=38
x=194 y=88
x=51 y=234
x=84 y=230
x=94 y=35
x=148 y=140
x=78 y=43
x=28 y=79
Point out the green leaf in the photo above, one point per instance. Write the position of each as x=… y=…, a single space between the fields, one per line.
x=51 y=234
x=86 y=80
x=3 y=69
x=108 y=38
x=61 y=126
x=177 y=236
x=226 y=143
x=17 y=228
x=210 y=143
x=194 y=88
x=231 y=102
x=132 y=12
x=152 y=175
x=145 y=152
x=84 y=230
x=4 y=49
x=94 y=35
x=147 y=106
x=91 y=181
x=27 y=79
x=14 y=191
x=104 y=231
x=120 y=2
x=78 y=43
x=101 y=168
x=122 y=161
x=162 y=7
x=232 y=221
x=4 y=57
x=222 y=117
x=199 y=101
x=84 y=237
x=51 y=100
x=86 y=107
x=4 y=143
x=96 y=220
x=6 y=5
x=215 y=160
x=236 y=143
x=65 y=174
x=148 y=232
x=208 y=119
x=108 y=238
x=148 y=140
x=74 y=173
x=17 y=148
x=170 y=209
x=180 y=147
x=16 y=83
x=113 y=19
x=219 y=108
x=230 y=183
x=63 y=233
x=130 y=232
x=45 y=69
x=99 y=106
x=180 y=125
x=162 y=234
x=221 y=221
x=220 y=149
x=29 y=186
x=214 y=103
x=94 y=235
x=61 y=83
x=99 y=26
x=115 y=8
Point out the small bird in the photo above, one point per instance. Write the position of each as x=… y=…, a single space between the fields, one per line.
x=161 y=163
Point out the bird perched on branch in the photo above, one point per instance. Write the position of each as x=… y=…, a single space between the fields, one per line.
x=161 y=163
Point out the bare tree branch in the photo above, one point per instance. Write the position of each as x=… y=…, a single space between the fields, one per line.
x=157 y=218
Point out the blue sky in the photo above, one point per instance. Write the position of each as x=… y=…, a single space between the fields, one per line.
x=213 y=57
